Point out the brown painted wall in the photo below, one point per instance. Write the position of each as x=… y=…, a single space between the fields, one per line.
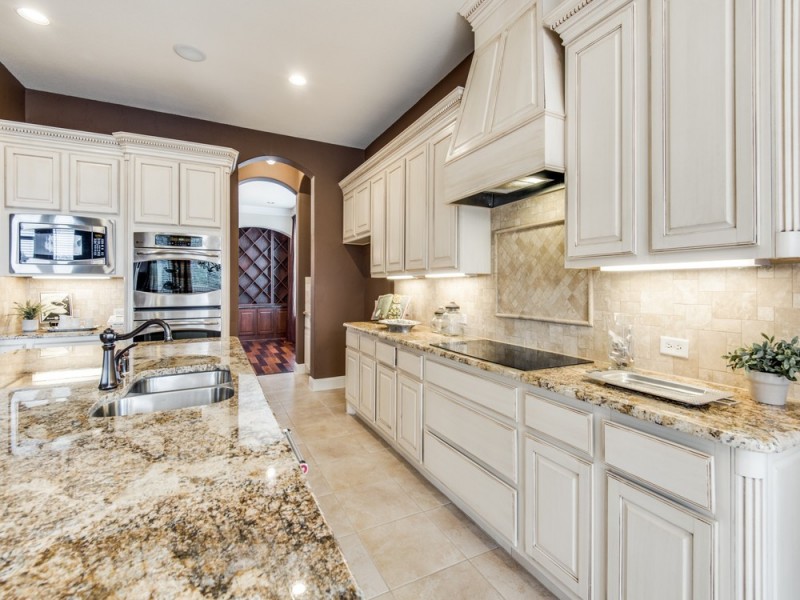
x=12 y=96
x=456 y=77
x=303 y=266
x=339 y=283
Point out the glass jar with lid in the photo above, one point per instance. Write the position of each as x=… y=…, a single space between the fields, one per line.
x=453 y=320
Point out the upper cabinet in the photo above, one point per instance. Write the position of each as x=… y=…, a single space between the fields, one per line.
x=59 y=170
x=668 y=157
x=413 y=230
x=176 y=183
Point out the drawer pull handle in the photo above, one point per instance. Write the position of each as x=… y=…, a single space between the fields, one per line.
x=303 y=464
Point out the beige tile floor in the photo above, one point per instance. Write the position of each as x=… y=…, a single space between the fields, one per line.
x=402 y=538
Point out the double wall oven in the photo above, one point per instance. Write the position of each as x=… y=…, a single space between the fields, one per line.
x=177 y=278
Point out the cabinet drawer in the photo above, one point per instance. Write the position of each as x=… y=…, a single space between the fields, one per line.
x=490 y=498
x=410 y=363
x=489 y=441
x=561 y=422
x=684 y=472
x=367 y=345
x=351 y=338
x=494 y=396
x=385 y=353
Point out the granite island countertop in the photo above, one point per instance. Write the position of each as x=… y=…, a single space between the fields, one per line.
x=191 y=503
x=53 y=333
x=747 y=424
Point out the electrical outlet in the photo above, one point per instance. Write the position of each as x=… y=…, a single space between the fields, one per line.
x=674 y=346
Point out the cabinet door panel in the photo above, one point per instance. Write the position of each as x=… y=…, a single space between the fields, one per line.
x=155 y=190
x=247 y=321
x=602 y=178
x=517 y=89
x=416 y=230
x=265 y=318
x=94 y=184
x=443 y=243
x=385 y=390
x=362 y=210
x=395 y=217
x=33 y=178
x=348 y=217
x=352 y=376
x=366 y=388
x=656 y=550
x=704 y=159
x=200 y=195
x=377 y=266
x=473 y=114
x=558 y=514
x=409 y=415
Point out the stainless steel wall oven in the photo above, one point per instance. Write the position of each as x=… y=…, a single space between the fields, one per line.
x=178 y=278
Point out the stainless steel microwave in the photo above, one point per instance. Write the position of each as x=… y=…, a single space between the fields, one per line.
x=61 y=245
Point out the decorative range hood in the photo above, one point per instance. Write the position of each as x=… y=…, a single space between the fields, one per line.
x=508 y=143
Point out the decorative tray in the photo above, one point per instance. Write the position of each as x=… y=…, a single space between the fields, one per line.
x=662 y=388
x=399 y=325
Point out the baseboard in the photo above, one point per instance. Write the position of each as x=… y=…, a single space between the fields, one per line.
x=299 y=368
x=329 y=383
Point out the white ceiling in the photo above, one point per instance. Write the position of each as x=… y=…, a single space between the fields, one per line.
x=366 y=61
x=260 y=192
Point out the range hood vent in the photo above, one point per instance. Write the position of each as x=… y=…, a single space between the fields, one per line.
x=508 y=142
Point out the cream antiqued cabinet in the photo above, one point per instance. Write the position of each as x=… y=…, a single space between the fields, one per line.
x=669 y=129
x=395 y=203
x=595 y=503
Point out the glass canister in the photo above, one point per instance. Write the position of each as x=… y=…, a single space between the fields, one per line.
x=438 y=320
x=453 y=320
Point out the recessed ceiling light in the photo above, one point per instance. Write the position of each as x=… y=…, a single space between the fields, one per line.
x=297 y=79
x=270 y=162
x=189 y=52
x=33 y=15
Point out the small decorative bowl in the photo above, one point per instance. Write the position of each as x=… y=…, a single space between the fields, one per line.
x=399 y=325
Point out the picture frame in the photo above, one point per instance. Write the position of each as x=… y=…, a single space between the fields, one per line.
x=54 y=306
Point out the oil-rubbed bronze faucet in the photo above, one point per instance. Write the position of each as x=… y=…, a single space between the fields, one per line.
x=110 y=375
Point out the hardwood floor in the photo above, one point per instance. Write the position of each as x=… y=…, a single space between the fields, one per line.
x=270 y=356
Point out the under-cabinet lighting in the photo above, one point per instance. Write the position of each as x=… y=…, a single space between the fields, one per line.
x=397 y=277
x=33 y=15
x=705 y=264
x=444 y=275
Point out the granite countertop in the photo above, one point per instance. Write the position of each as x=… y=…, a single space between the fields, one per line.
x=52 y=332
x=747 y=424
x=191 y=503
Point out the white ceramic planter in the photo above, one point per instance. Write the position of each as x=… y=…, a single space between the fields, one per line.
x=30 y=324
x=768 y=388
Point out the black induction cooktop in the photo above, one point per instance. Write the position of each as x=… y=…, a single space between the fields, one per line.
x=508 y=355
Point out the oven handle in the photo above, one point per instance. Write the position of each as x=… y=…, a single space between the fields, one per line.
x=182 y=253
x=179 y=322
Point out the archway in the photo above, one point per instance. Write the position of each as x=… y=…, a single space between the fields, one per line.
x=274 y=266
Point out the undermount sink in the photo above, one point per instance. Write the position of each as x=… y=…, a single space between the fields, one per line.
x=170 y=392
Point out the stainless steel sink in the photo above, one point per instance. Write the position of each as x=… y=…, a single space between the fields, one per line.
x=170 y=392
x=180 y=381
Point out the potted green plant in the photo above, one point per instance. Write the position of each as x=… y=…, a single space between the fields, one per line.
x=769 y=366
x=30 y=314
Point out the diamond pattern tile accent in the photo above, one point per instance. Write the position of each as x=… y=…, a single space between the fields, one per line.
x=532 y=282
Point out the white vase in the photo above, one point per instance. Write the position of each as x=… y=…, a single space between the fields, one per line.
x=768 y=388
x=30 y=324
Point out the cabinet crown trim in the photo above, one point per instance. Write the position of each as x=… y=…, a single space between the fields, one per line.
x=55 y=133
x=442 y=108
x=133 y=142
x=557 y=19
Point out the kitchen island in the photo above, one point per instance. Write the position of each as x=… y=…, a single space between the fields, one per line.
x=197 y=502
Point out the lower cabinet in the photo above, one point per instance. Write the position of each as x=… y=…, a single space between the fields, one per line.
x=366 y=387
x=558 y=508
x=351 y=376
x=257 y=322
x=656 y=549
x=409 y=415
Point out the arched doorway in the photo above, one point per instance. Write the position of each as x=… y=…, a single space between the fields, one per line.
x=274 y=265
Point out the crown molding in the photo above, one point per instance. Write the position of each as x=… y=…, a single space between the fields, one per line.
x=58 y=134
x=134 y=142
x=555 y=22
x=445 y=107
x=472 y=9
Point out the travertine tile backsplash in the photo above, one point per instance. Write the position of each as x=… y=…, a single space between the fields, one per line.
x=716 y=310
x=92 y=299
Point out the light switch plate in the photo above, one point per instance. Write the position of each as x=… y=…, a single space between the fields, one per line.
x=672 y=346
